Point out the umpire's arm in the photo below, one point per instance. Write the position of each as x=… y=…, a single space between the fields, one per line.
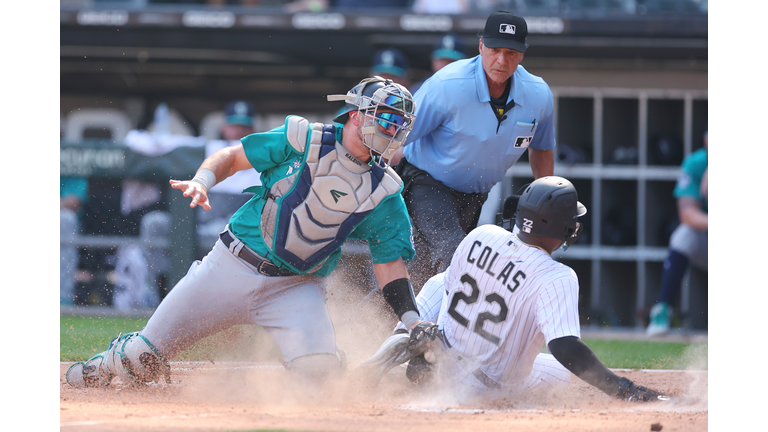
x=542 y=162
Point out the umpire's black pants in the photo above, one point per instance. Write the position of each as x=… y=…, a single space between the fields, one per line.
x=441 y=218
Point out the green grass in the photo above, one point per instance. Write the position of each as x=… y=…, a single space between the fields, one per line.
x=626 y=354
x=82 y=337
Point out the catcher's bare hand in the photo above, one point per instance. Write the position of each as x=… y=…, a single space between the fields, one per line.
x=194 y=190
x=423 y=335
x=632 y=392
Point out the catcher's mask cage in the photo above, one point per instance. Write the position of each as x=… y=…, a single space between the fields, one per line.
x=547 y=207
x=386 y=114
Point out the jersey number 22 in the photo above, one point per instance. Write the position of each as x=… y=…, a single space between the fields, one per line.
x=481 y=317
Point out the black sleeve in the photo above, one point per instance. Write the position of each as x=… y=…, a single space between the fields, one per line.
x=399 y=295
x=576 y=356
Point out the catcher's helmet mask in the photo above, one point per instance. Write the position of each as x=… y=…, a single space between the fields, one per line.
x=386 y=112
x=548 y=207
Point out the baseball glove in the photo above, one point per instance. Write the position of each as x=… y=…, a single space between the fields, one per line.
x=422 y=338
x=632 y=392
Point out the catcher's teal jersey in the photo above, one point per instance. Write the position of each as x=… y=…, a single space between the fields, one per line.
x=387 y=228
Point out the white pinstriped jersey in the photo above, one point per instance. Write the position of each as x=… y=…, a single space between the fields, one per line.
x=503 y=300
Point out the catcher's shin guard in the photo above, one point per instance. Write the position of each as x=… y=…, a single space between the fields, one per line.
x=130 y=357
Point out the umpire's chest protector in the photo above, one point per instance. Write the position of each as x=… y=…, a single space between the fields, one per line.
x=310 y=213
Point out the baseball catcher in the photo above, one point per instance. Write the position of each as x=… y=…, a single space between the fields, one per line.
x=321 y=184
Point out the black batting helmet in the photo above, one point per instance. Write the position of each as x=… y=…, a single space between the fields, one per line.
x=550 y=207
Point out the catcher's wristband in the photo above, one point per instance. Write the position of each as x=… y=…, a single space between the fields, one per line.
x=399 y=295
x=409 y=319
x=206 y=178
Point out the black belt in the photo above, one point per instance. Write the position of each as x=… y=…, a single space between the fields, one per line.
x=263 y=266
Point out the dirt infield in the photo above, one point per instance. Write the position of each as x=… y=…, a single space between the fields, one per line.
x=246 y=396
x=231 y=396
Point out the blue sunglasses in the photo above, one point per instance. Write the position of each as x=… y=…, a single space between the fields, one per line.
x=387 y=119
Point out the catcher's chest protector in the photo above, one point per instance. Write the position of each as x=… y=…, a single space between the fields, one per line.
x=309 y=214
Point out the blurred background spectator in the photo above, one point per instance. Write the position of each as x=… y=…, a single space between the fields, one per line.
x=73 y=194
x=227 y=196
x=448 y=48
x=391 y=63
x=140 y=269
x=689 y=243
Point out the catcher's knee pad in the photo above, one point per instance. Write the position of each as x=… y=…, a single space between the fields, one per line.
x=317 y=365
x=130 y=357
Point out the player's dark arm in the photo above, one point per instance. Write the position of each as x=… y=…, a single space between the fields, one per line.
x=542 y=162
x=578 y=358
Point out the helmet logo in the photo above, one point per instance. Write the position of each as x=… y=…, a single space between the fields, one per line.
x=527 y=225
x=448 y=42
x=241 y=108
x=388 y=58
x=337 y=194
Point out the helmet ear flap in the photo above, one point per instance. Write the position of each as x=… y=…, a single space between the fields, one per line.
x=549 y=207
x=574 y=235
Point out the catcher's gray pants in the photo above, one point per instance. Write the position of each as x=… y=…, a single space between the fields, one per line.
x=691 y=243
x=222 y=290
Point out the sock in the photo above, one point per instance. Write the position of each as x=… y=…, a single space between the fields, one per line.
x=672 y=277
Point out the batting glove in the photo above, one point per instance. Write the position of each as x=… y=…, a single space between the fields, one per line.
x=632 y=392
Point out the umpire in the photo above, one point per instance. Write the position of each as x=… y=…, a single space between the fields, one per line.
x=477 y=117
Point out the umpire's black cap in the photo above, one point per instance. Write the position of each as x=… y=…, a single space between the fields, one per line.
x=505 y=30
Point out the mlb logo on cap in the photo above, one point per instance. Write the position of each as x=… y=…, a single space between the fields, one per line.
x=507 y=28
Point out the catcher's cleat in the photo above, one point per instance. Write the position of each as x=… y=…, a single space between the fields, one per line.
x=88 y=373
x=393 y=352
x=131 y=357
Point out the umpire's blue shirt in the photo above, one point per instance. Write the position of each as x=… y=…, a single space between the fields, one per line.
x=456 y=136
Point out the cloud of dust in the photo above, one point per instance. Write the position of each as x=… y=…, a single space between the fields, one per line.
x=361 y=322
x=361 y=316
x=697 y=394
